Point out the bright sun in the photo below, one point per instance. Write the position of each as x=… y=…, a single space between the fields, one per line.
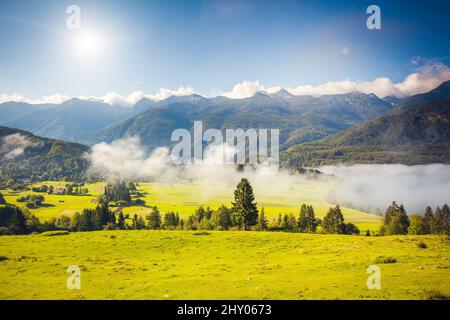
x=88 y=44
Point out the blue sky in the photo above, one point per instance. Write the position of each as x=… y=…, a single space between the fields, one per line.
x=213 y=45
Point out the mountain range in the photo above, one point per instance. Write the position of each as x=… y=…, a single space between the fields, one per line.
x=416 y=131
x=299 y=118
x=347 y=128
x=69 y=121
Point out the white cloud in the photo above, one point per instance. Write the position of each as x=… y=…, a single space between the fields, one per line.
x=127 y=158
x=116 y=99
x=111 y=98
x=416 y=60
x=55 y=98
x=248 y=89
x=424 y=79
x=166 y=93
x=345 y=51
x=372 y=187
x=14 y=145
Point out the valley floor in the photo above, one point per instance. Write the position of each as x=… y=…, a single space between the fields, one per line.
x=185 y=198
x=221 y=265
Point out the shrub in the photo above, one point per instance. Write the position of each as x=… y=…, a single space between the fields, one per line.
x=436 y=295
x=201 y=233
x=422 y=245
x=351 y=229
x=3 y=258
x=4 y=231
x=54 y=233
x=383 y=259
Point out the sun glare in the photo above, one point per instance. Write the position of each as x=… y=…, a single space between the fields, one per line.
x=88 y=45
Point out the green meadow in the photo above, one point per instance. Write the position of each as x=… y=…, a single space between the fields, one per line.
x=184 y=198
x=222 y=265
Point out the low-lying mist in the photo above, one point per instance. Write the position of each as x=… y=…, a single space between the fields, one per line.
x=365 y=187
x=372 y=187
x=14 y=145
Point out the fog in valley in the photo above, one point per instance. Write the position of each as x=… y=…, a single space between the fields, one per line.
x=369 y=187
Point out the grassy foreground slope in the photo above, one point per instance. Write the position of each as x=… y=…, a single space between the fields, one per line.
x=221 y=265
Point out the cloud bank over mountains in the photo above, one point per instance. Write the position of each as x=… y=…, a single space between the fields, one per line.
x=424 y=79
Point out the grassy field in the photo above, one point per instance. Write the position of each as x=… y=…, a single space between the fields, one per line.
x=221 y=265
x=56 y=205
x=184 y=198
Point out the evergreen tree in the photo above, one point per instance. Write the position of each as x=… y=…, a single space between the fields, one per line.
x=177 y=219
x=154 y=219
x=118 y=192
x=289 y=223
x=417 y=225
x=312 y=222
x=221 y=218
x=303 y=218
x=391 y=212
x=87 y=222
x=138 y=222
x=262 y=220
x=171 y=220
x=2 y=199
x=437 y=224
x=244 y=206
x=141 y=223
x=396 y=220
x=199 y=214
x=102 y=216
x=75 y=223
x=368 y=233
x=279 y=221
x=121 y=224
x=428 y=220
x=445 y=216
x=307 y=219
x=333 y=222
x=191 y=223
x=14 y=219
x=17 y=222
x=135 y=222
x=208 y=213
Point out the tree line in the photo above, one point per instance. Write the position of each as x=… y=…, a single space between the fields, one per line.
x=242 y=215
x=396 y=221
